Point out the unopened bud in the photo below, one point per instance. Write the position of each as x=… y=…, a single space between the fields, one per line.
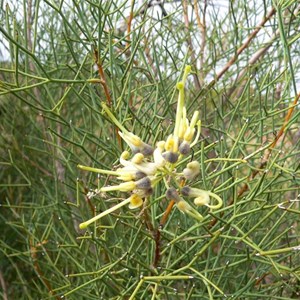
x=138 y=158
x=192 y=170
x=144 y=183
x=184 y=148
x=202 y=199
x=157 y=154
x=185 y=191
x=170 y=157
x=139 y=175
x=146 y=150
x=172 y=194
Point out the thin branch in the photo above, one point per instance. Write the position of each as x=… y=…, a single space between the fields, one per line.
x=102 y=77
x=202 y=29
x=190 y=44
x=243 y=47
x=256 y=56
x=130 y=18
x=3 y=286
x=264 y=162
x=42 y=277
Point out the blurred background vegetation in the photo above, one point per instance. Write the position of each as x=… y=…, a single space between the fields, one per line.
x=60 y=59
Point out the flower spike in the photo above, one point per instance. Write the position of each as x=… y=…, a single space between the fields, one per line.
x=143 y=166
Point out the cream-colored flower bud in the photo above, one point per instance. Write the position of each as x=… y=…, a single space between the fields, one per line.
x=125 y=155
x=136 y=144
x=184 y=123
x=192 y=170
x=138 y=158
x=135 y=201
x=124 y=159
x=201 y=196
x=131 y=139
x=202 y=199
x=126 y=176
x=194 y=119
x=169 y=145
x=157 y=154
x=128 y=173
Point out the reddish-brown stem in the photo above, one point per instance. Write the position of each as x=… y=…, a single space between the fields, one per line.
x=259 y=280
x=148 y=55
x=102 y=77
x=157 y=233
x=157 y=248
x=33 y=253
x=161 y=225
x=286 y=120
x=105 y=88
x=272 y=146
x=166 y=214
x=245 y=187
x=243 y=47
x=130 y=18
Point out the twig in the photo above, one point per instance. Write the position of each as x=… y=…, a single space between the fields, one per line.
x=161 y=226
x=242 y=48
x=157 y=248
x=272 y=146
x=3 y=286
x=102 y=77
x=190 y=44
x=255 y=57
x=166 y=214
x=157 y=233
x=245 y=187
x=33 y=254
x=149 y=58
x=36 y=165
x=130 y=18
x=105 y=88
x=202 y=29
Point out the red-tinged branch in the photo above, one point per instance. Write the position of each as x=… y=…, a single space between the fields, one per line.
x=243 y=47
x=102 y=77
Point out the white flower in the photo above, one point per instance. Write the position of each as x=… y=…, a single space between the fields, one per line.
x=202 y=197
x=192 y=170
x=157 y=154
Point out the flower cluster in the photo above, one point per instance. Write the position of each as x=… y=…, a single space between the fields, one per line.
x=145 y=166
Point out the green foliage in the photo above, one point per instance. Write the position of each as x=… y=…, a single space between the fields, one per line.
x=51 y=120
